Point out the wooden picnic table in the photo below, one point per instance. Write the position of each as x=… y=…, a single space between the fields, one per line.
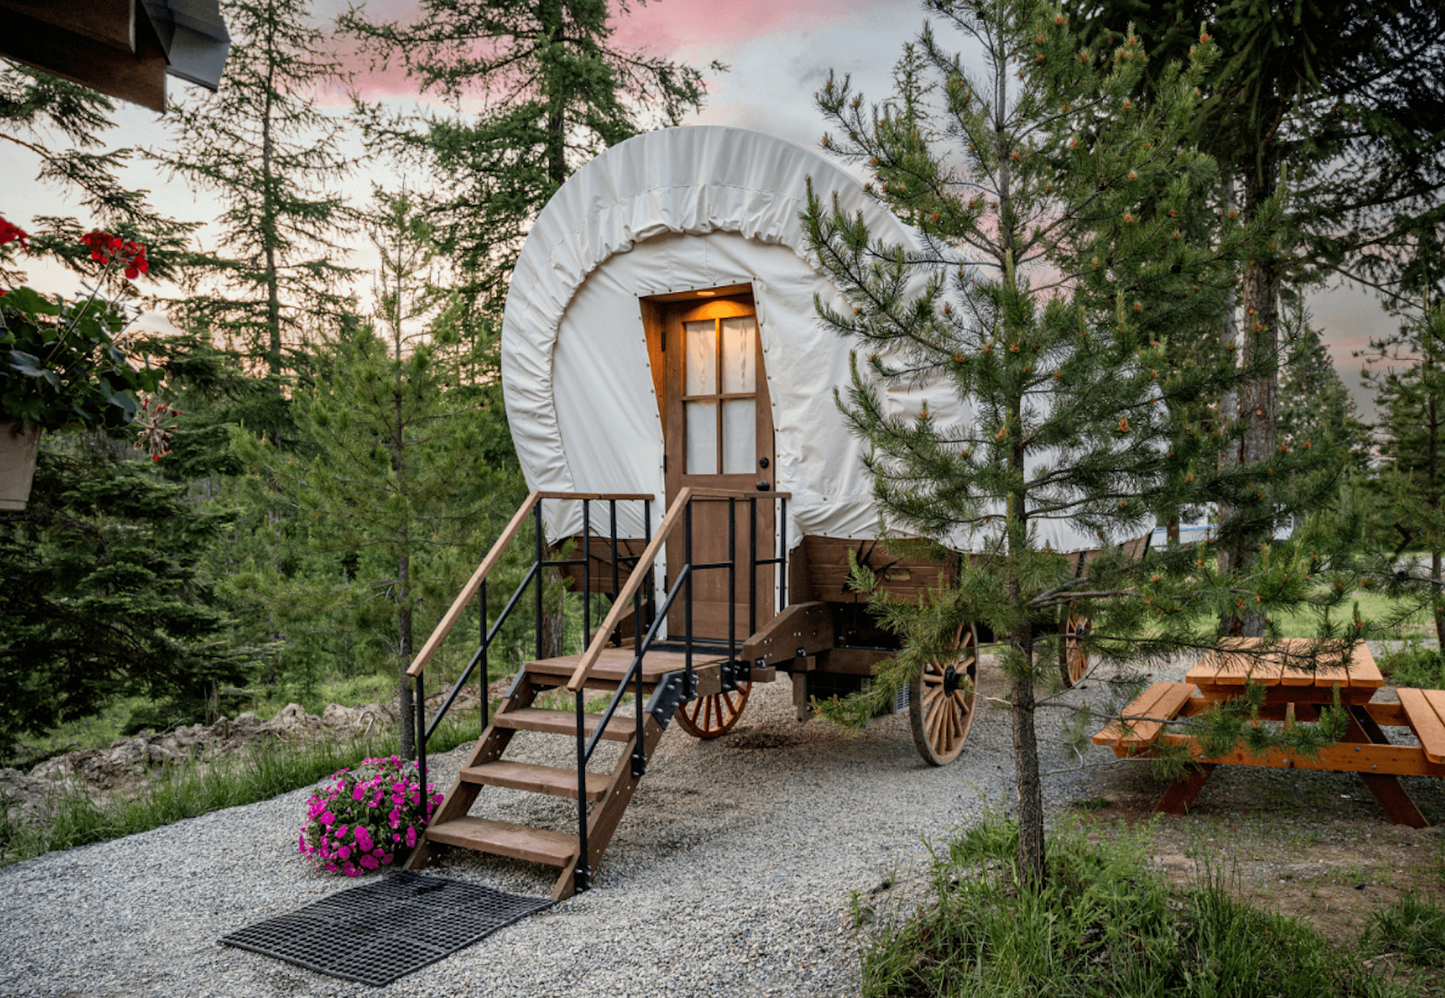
x=1297 y=685
x=1290 y=672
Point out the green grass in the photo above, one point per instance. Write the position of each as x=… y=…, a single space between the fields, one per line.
x=100 y=730
x=1103 y=926
x=1414 y=926
x=187 y=791
x=1373 y=607
x=349 y=691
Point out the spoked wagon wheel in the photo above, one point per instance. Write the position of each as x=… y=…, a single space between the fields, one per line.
x=940 y=700
x=716 y=713
x=1073 y=656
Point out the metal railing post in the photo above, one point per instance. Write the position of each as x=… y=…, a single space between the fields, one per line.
x=639 y=754
x=538 y=580
x=421 y=737
x=687 y=598
x=580 y=875
x=616 y=638
x=732 y=580
x=752 y=564
x=486 y=685
x=586 y=574
x=649 y=581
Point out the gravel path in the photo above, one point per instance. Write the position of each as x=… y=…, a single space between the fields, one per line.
x=730 y=875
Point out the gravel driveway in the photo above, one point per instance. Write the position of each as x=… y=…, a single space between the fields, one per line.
x=730 y=875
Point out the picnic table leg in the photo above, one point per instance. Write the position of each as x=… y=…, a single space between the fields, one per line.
x=1393 y=798
x=1181 y=792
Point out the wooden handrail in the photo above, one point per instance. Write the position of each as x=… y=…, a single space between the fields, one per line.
x=634 y=582
x=459 y=605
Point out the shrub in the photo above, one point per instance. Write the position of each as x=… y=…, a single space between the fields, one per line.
x=365 y=816
x=1415 y=665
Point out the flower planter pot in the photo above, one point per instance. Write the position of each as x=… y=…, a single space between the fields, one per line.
x=18 y=446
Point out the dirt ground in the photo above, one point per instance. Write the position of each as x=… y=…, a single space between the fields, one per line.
x=1309 y=844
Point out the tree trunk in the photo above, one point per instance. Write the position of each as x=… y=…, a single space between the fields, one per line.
x=409 y=734
x=556 y=102
x=269 y=236
x=1258 y=393
x=1031 y=869
x=554 y=627
x=1228 y=406
x=1026 y=767
x=1439 y=617
x=1432 y=459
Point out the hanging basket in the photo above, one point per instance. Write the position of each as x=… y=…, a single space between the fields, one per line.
x=18 y=446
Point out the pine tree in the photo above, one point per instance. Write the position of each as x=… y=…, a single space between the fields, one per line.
x=274 y=159
x=1339 y=104
x=1059 y=252
x=398 y=487
x=1411 y=402
x=1314 y=404
x=106 y=595
x=556 y=91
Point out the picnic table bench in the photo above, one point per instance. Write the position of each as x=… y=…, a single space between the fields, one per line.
x=1295 y=690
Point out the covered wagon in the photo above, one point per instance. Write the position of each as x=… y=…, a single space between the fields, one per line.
x=662 y=351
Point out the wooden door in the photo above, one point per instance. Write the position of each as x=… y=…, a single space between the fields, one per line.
x=719 y=435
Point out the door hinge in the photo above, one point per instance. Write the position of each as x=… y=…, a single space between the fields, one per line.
x=664 y=464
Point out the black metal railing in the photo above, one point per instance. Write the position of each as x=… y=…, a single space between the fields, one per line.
x=534 y=577
x=646 y=614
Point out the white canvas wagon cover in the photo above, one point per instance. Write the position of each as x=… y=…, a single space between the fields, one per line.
x=675 y=210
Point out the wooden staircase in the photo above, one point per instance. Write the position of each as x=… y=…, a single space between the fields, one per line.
x=664 y=687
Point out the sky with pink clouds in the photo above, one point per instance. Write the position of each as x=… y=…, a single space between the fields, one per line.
x=779 y=52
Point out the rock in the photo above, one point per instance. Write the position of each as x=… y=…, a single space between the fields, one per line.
x=28 y=799
x=128 y=762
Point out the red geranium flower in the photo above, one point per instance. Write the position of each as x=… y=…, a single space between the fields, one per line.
x=106 y=248
x=10 y=233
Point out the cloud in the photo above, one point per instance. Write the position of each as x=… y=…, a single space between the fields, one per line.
x=666 y=25
x=1347 y=317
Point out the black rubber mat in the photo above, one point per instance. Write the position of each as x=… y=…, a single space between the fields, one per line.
x=378 y=932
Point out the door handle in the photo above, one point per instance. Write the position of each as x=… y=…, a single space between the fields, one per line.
x=764 y=485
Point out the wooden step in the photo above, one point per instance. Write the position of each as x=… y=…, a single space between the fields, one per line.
x=564 y=722
x=500 y=838
x=535 y=779
x=613 y=663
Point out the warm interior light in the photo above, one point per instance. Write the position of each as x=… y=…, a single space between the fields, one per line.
x=706 y=294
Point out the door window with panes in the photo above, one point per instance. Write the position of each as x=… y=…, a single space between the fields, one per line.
x=720 y=394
